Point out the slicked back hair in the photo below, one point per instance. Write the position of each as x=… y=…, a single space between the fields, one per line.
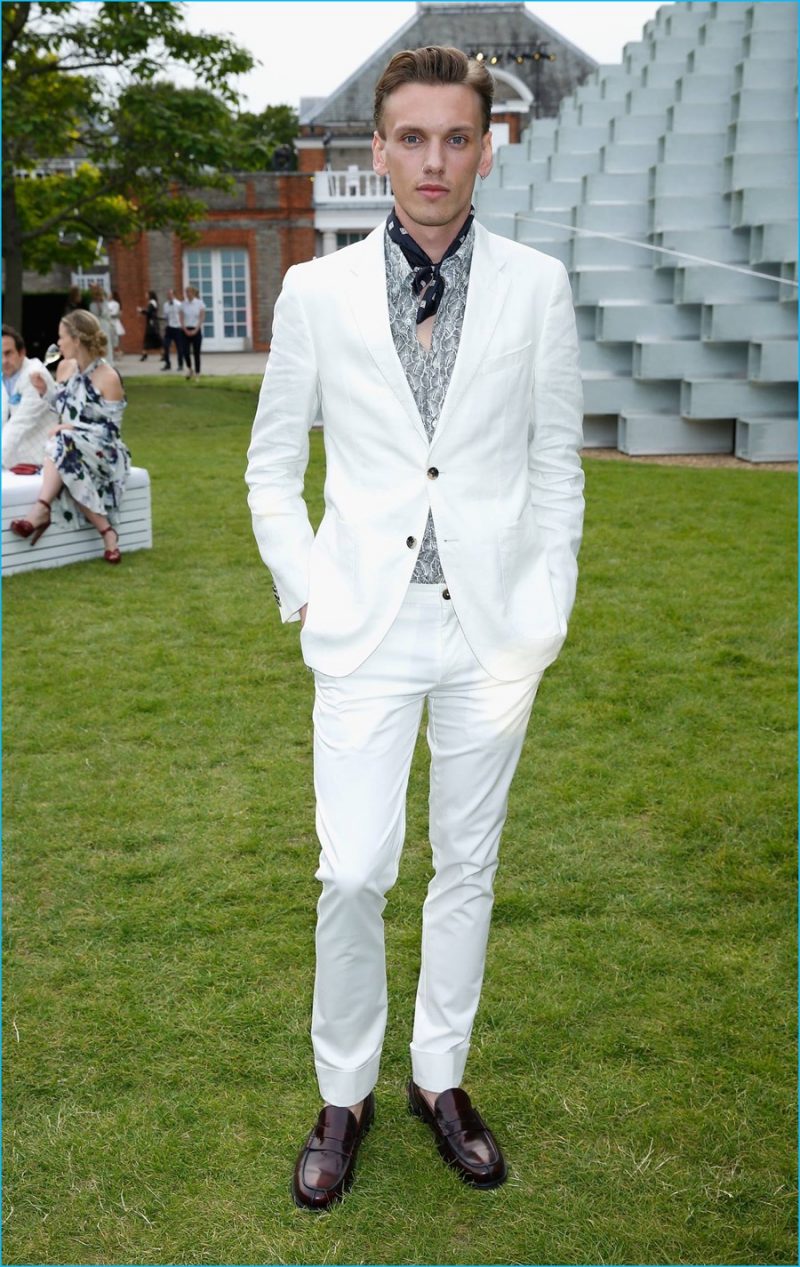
x=10 y=333
x=435 y=65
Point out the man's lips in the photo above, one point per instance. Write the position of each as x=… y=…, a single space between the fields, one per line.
x=432 y=189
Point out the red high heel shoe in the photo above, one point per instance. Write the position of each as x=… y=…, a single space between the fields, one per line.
x=113 y=555
x=24 y=527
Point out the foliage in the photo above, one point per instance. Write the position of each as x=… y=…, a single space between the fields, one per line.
x=257 y=136
x=88 y=83
x=634 y=1045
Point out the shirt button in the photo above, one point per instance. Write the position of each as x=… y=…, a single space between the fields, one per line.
x=433 y=474
x=445 y=593
x=411 y=542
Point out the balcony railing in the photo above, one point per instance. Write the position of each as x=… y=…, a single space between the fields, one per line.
x=49 y=167
x=350 y=187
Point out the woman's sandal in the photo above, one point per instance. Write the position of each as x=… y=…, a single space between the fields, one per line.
x=111 y=556
x=24 y=527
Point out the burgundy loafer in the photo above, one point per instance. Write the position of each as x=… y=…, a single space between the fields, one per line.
x=462 y=1137
x=326 y=1164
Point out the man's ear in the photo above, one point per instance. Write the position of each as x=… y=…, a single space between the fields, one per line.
x=378 y=157
x=487 y=156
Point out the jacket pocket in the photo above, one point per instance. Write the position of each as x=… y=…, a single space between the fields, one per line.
x=332 y=566
x=520 y=356
x=527 y=585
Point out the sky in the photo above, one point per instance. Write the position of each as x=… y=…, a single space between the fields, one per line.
x=307 y=48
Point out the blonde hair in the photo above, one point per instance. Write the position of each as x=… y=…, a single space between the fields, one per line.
x=435 y=65
x=85 y=327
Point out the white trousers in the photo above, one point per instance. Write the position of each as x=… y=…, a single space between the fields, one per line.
x=365 y=729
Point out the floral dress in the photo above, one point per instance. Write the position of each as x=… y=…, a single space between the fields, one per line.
x=90 y=456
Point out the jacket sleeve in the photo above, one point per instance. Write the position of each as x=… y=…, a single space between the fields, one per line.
x=278 y=455
x=28 y=424
x=556 y=437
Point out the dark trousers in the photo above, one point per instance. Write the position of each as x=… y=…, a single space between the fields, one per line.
x=174 y=334
x=192 y=345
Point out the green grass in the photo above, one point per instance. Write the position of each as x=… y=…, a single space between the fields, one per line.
x=635 y=1044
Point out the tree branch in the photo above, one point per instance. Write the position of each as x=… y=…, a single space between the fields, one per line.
x=101 y=63
x=14 y=29
x=29 y=235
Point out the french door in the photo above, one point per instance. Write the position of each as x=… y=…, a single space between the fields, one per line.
x=221 y=278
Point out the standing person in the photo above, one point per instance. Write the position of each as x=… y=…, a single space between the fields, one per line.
x=27 y=418
x=86 y=464
x=117 y=328
x=444 y=361
x=74 y=300
x=193 y=314
x=173 y=331
x=99 y=308
x=151 y=340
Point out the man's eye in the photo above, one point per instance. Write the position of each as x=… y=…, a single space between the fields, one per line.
x=411 y=138
x=458 y=140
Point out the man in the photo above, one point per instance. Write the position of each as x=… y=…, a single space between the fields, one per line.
x=193 y=314
x=173 y=331
x=444 y=362
x=27 y=416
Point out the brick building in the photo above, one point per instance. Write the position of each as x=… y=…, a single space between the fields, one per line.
x=271 y=220
x=248 y=239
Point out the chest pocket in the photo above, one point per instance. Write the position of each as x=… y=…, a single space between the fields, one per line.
x=508 y=361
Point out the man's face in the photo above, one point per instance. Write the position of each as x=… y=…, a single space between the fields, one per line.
x=12 y=359
x=432 y=150
x=170 y=296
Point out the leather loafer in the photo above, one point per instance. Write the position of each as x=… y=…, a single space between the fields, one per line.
x=326 y=1163
x=462 y=1137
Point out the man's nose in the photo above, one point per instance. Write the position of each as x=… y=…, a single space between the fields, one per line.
x=434 y=157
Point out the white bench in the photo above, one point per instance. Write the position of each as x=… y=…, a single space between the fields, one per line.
x=59 y=546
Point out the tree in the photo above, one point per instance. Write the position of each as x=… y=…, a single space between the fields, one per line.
x=258 y=136
x=96 y=143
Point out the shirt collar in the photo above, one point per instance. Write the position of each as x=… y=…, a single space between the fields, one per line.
x=10 y=384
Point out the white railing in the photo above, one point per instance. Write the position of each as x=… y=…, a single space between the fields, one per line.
x=49 y=167
x=350 y=187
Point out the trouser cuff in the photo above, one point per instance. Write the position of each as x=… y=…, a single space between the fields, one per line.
x=346 y=1087
x=438 y=1071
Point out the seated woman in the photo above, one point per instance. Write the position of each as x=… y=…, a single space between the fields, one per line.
x=86 y=464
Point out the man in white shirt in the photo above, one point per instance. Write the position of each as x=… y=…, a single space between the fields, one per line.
x=27 y=416
x=173 y=331
x=193 y=314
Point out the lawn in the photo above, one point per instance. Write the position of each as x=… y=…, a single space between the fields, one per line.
x=634 y=1049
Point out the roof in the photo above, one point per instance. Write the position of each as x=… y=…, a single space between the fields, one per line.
x=463 y=25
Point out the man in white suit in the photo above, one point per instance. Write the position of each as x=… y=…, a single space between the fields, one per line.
x=443 y=360
x=27 y=417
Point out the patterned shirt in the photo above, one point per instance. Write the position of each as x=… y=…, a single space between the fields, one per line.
x=428 y=370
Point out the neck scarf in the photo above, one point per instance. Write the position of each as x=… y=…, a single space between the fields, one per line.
x=424 y=269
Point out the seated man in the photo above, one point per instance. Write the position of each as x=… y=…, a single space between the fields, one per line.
x=27 y=416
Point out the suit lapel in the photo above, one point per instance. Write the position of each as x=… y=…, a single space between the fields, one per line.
x=371 y=312
x=488 y=285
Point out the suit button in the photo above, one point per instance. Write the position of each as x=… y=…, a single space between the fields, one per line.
x=411 y=542
x=445 y=593
x=433 y=474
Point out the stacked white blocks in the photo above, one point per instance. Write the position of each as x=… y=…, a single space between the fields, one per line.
x=689 y=145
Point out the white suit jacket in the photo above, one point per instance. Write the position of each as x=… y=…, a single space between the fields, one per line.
x=502 y=474
x=26 y=425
